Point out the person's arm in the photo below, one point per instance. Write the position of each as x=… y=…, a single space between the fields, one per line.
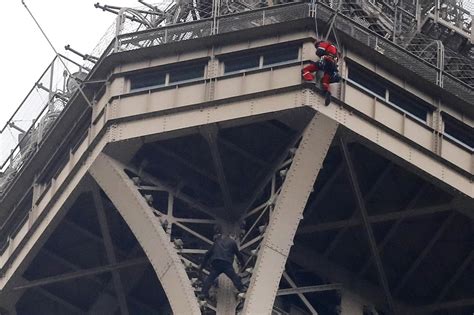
x=206 y=258
x=239 y=255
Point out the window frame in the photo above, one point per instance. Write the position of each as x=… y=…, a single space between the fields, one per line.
x=389 y=86
x=260 y=53
x=167 y=70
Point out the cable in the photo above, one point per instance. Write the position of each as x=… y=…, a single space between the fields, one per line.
x=55 y=51
x=315 y=3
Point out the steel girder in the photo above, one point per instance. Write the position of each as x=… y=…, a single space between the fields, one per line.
x=287 y=214
x=111 y=177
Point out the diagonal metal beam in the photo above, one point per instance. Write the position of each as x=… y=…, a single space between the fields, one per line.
x=210 y=133
x=288 y=211
x=71 y=307
x=81 y=273
x=368 y=228
x=309 y=289
x=393 y=229
x=232 y=146
x=446 y=305
x=109 y=249
x=300 y=294
x=106 y=302
x=426 y=250
x=379 y=218
x=340 y=234
x=185 y=162
x=310 y=209
x=196 y=204
x=110 y=175
x=368 y=292
x=270 y=170
x=455 y=277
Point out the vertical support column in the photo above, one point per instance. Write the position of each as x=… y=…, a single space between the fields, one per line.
x=350 y=305
x=287 y=214
x=113 y=180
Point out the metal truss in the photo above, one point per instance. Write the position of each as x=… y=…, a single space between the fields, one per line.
x=284 y=219
x=148 y=230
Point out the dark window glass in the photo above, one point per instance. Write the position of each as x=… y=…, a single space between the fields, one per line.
x=369 y=82
x=409 y=103
x=241 y=62
x=185 y=73
x=148 y=79
x=280 y=54
x=459 y=131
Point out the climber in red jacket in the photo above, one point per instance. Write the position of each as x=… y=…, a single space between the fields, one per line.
x=327 y=63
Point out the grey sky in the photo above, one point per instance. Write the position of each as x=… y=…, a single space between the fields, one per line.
x=25 y=54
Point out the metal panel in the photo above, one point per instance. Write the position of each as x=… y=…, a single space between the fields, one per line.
x=111 y=177
x=288 y=212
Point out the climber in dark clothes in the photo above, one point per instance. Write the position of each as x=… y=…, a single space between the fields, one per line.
x=221 y=257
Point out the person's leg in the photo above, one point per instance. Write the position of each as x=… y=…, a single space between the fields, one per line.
x=210 y=280
x=325 y=82
x=307 y=71
x=230 y=272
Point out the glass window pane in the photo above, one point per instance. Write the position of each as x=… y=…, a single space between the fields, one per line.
x=186 y=73
x=241 y=62
x=367 y=81
x=147 y=79
x=409 y=103
x=280 y=54
x=459 y=130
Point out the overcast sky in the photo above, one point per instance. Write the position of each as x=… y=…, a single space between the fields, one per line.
x=25 y=54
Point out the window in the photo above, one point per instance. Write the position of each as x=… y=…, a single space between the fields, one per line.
x=186 y=73
x=242 y=62
x=396 y=96
x=281 y=54
x=459 y=131
x=408 y=103
x=147 y=79
x=179 y=73
x=269 y=56
x=367 y=81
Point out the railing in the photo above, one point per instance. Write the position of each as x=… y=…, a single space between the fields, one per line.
x=35 y=116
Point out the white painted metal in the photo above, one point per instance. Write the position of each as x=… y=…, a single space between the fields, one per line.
x=287 y=214
x=111 y=177
x=350 y=305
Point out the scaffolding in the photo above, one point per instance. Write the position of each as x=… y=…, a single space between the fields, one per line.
x=432 y=38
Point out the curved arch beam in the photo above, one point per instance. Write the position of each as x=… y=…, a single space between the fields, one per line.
x=110 y=176
x=288 y=212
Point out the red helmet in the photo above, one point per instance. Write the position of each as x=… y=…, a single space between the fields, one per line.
x=325 y=48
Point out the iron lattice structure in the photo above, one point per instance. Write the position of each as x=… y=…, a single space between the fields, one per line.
x=148 y=197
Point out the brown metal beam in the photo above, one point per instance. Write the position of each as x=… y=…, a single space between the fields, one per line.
x=368 y=228
x=379 y=218
x=210 y=133
x=447 y=305
x=109 y=250
x=426 y=250
x=455 y=277
x=367 y=196
x=392 y=231
x=81 y=273
x=232 y=146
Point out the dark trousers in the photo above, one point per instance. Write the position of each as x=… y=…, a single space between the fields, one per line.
x=218 y=267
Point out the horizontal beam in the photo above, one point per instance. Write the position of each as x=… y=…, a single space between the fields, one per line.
x=447 y=305
x=82 y=273
x=309 y=289
x=328 y=226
